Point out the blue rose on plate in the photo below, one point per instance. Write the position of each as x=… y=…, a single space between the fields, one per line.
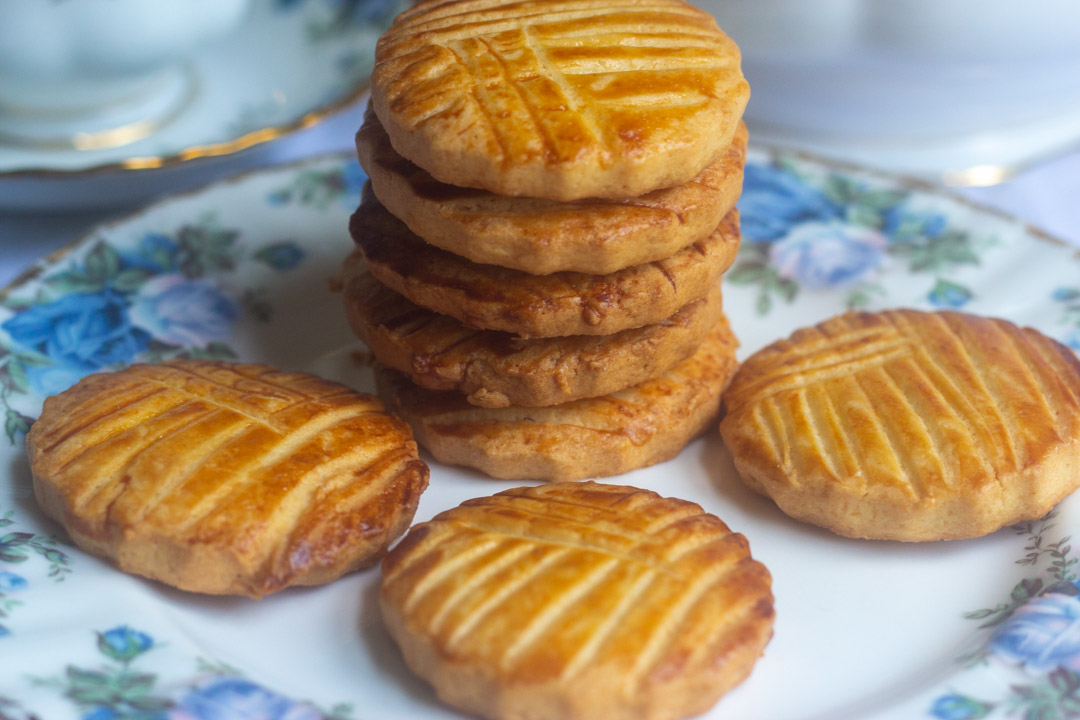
x=958 y=707
x=899 y=221
x=52 y=379
x=947 y=294
x=179 y=311
x=1073 y=339
x=1065 y=294
x=232 y=698
x=154 y=253
x=9 y=581
x=1042 y=634
x=366 y=12
x=123 y=643
x=353 y=177
x=80 y=333
x=101 y=713
x=281 y=256
x=774 y=201
x=825 y=255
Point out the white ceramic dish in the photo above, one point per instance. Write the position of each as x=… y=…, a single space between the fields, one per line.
x=290 y=64
x=966 y=90
x=98 y=72
x=864 y=629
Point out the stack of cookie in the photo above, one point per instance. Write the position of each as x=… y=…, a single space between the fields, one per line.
x=550 y=209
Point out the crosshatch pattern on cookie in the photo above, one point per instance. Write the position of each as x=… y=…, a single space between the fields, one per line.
x=928 y=409
x=223 y=457
x=564 y=99
x=565 y=582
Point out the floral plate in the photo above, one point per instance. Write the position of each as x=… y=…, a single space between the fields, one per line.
x=290 y=64
x=968 y=629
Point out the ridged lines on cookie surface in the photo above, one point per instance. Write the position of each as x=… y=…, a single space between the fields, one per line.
x=117 y=439
x=551 y=83
x=934 y=400
x=644 y=565
x=206 y=454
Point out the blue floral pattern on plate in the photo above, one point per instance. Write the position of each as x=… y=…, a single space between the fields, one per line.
x=117 y=689
x=807 y=231
x=1035 y=634
x=159 y=297
x=232 y=269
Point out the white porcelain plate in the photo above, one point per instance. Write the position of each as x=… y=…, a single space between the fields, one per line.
x=290 y=64
x=978 y=628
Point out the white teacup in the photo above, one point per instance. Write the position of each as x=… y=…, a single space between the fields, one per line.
x=86 y=66
x=914 y=83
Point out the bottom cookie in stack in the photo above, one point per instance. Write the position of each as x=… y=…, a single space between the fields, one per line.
x=595 y=437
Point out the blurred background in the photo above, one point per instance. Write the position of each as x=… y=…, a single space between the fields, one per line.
x=106 y=105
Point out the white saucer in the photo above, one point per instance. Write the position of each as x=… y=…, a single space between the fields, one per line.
x=292 y=63
x=973 y=159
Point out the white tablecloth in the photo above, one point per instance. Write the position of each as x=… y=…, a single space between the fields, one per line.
x=1047 y=196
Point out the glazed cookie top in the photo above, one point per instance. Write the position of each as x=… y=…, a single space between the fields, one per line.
x=225 y=478
x=559 y=99
x=909 y=425
x=578 y=600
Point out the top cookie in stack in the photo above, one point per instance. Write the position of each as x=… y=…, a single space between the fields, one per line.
x=559 y=99
x=550 y=209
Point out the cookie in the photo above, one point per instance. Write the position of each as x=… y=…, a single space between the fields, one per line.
x=543 y=236
x=577 y=600
x=497 y=369
x=486 y=297
x=906 y=425
x=225 y=478
x=629 y=429
x=566 y=100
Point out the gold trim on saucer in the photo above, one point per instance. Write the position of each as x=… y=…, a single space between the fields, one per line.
x=115 y=136
x=245 y=141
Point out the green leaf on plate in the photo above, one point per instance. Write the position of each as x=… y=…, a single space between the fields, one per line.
x=19 y=382
x=747 y=274
x=131 y=279
x=16 y=539
x=15 y=423
x=71 y=282
x=102 y=262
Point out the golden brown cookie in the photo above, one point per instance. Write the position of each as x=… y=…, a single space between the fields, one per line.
x=486 y=297
x=543 y=236
x=225 y=478
x=629 y=429
x=577 y=600
x=564 y=99
x=907 y=425
x=497 y=369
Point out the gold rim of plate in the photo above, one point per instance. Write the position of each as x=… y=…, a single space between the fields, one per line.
x=196 y=152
